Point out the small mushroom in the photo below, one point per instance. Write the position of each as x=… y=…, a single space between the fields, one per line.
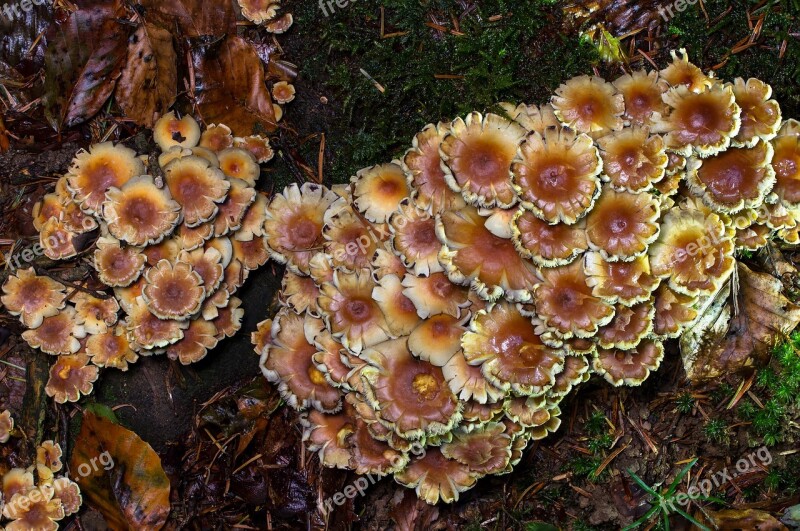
x=57 y=241
x=622 y=225
x=117 y=266
x=103 y=167
x=198 y=338
x=32 y=297
x=257 y=145
x=589 y=104
x=111 y=349
x=139 y=212
x=349 y=241
x=761 y=116
x=531 y=117
x=146 y=331
x=545 y=244
x=36 y=509
x=436 y=477
x=422 y=164
x=379 y=190
x=229 y=318
x=485 y=449
x=620 y=282
x=329 y=435
x=48 y=454
x=95 y=314
x=170 y=131
x=239 y=164
x=385 y=262
x=629 y=367
x=58 y=334
x=641 y=91
x=435 y=294
x=50 y=206
x=233 y=209
x=438 y=338
x=633 y=160
x=259 y=11
x=197 y=187
x=674 y=312
x=69 y=494
x=173 y=291
x=576 y=371
x=216 y=137
x=629 y=326
x=414 y=239
x=468 y=383
x=283 y=92
x=71 y=377
x=208 y=263
x=280 y=24
x=299 y=293
x=399 y=310
x=6 y=426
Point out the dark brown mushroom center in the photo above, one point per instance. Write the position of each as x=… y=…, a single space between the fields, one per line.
x=358 y=310
x=139 y=211
x=304 y=233
x=442 y=287
x=554 y=176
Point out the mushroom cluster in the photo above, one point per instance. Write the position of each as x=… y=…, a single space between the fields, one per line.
x=436 y=310
x=267 y=14
x=171 y=242
x=36 y=497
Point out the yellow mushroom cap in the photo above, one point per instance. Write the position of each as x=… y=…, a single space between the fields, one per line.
x=239 y=164
x=259 y=11
x=622 y=225
x=170 y=131
x=633 y=160
x=216 y=137
x=589 y=104
x=283 y=92
x=379 y=190
x=103 y=167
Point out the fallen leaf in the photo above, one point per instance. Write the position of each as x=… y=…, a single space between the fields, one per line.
x=132 y=492
x=230 y=88
x=192 y=18
x=737 y=330
x=739 y=519
x=149 y=81
x=84 y=58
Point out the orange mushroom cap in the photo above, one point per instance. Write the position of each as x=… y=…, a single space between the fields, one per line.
x=32 y=297
x=641 y=91
x=239 y=164
x=633 y=160
x=299 y=293
x=545 y=244
x=233 y=209
x=620 y=282
x=111 y=349
x=674 y=312
x=140 y=213
x=198 y=338
x=259 y=11
x=216 y=137
x=170 y=131
x=329 y=435
x=283 y=92
x=414 y=239
x=58 y=242
x=589 y=105
x=681 y=72
x=485 y=449
x=257 y=145
x=146 y=331
x=786 y=163
x=35 y=509
x=103 y=167
x=435 y=294
x=629 y=367
x=622 y=225
x=379 y=190
x=399 y=310
x=629 y=326
x=71 y=377
x=437 y=338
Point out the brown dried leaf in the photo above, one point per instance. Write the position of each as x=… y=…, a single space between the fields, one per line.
x=739 y=519
x=192 y=18
x=84 y=58
x=230 y=88
x=149 y=80
x=733 y=335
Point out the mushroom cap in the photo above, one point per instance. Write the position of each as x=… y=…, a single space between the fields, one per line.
x=48 y=454
x=259 y=11
x=498 y=220
x=379 y=190
x=239 y=163
x=761 y=116
x=527 y=412
x=294 y=223
x=485 y=448
x=545 y=244
x=786 y=163
x=350 y=312
x=681 y=72
x=423 y=167
x=511 y=354
x=468 y=382
x=280 y=24
x=641 y=91
x=409 y=395
x=622 y=225
x=564 y=301
x=436 y=478
x=349 y=241
x=629 y=367
x=127 y=296
x=71 y=377
x=435 y=294
x=232 y=210
x=556 y=174
x=58 y=334
x=95 y=314
x=299 y=293
x=197 y=187
x=6 y=426
x=619 y=282
x=471 y=254
x=261 y=336
x=437 y=338
x=49 y=206
x=111 y=349
x=531 y=117
x=633 y=160
x=589 y=104
x=216 y=137
x=17 y=481
x=283 y=92
x=575 y=372
x=372 y=456
x=117 y=266
x=253 y=221
x=753 y=237
x=252 y=254
x=146 y=331
x=190 y=238
x=287 y=362
x=57 y=240
x=170 y=131
x=399 y=310
x=103 y=167
x=328 y=435
x=173 y=291
x=699 y=122
x=140 y=213
x=35 y=509
x=414 y=239
x=76 y=220
x=198 y=338
x=674 y=312
x=385 y=262
x=694 y=250
x=229 y=318
x=629 y=326
x=257 y=145
x=208 y=264
x=476 y=154
x=32 y=297
x=735 y=179
x=68 y=492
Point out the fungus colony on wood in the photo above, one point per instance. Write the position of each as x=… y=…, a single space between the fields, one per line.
x=436 y=311
x=173 y=242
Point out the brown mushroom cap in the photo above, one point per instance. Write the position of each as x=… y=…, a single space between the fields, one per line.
x=259 y=11
x=95 y=171
x=287 y=361
x=252 y=254
x=71 y=377
x=257 y=145
x=435 y=477
x=208 y=263
x=32 y=297
x=547 y=245
x=280 y=24
x=197 y=187
x=437 y=338
x=229 y=318
x=351 y=313
x=700 y=122
x=473 y=255
x=50 y=206
x=111 y=349
x=761 y=116
x=589 y=105
x=35 y=509
x=173 y=291
x=399 y=310
x=485 y=449
x=623 y=282
x=58 y=334
x=190 y=238
x=349 y=241
x=629 y=367
x=69 y=494
x=299 y=293
x=239 y=163
x=531 y=117
x=622 y=225
x=753 y=237
x=527 y=412
x=786 y=163
x=48 y=454
x=556 y=174
x=76 y=220
x=95 y=314
x=294 y=224
x=379 y=190
x=409 y=395
x=170 y=131
x=414 y=239
x=57 y=240
x=576 y=371
x=674 y=312
x=146 y=331
x=422 y=164
x=283 y=92
x=476 y=154
x=140 y=213
x=682 y=72
x=633 y=159
x=232 y=210
x=628 y=327
x=197 y=340
x=253 y=221
x=564 y=301
x=641 y=91
x=735 y=179
x=216 y=137
x=468 y=382
x=6 y=426
x=328 y=435
x=385 y=262
x=117 y=265
x=435 y=294
x=511 y=353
